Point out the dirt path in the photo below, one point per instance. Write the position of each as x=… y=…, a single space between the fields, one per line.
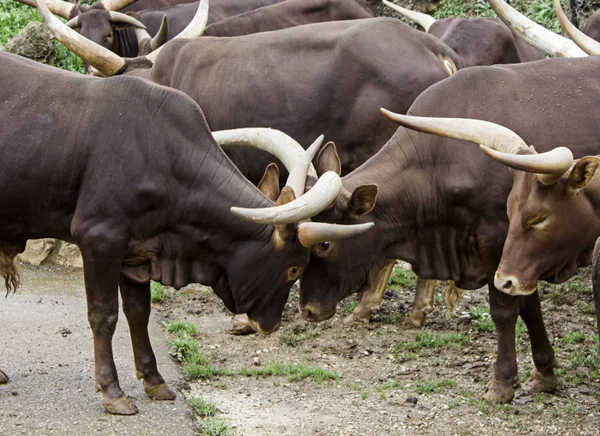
x=47 y=352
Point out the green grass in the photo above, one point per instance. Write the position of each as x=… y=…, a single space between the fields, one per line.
x=433 y=386
x=432 y=340
x=482 y=319
x=579 y=285
x=180 y=327
x=402 y=278
x=574 y=338
x=216 y=426
x=293 y=371
x=349 y=306
x=157 y=292
x=201 y=406
x=292 y=340
x=452 y=404
x=14 y=16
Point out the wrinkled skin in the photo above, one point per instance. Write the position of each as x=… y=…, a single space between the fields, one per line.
x=441 y=204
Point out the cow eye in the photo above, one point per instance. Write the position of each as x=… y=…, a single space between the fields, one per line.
x=325 y=245
x=294 y=273
x=110 y=35
x=539 y=222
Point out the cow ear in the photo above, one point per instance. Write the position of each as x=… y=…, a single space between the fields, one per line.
x=363 y=200
x=285 y=232
x=134 y=15
x=328 y=160
x=582 y=174
x=269 y=184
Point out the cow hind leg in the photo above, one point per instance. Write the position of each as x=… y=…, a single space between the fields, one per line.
x=505 y=311
x=102 y=258
x=3 y=377
x=371 y=299
x=423 y=302
x=8 y=267
x=543 y=378
x=136 y=305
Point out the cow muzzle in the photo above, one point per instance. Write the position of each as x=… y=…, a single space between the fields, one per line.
x=314 y=313
x=511 y=285
x=263 y=331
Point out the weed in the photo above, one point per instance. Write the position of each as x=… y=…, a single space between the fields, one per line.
x=292 y=340
x=179 y=328
x=579 y=285
x=215 y=427
x=293 y=371
x=402 y=278
x=570 y=409
x=201 y=406
x=349 y=306
x=157 y=292
x=433 y=340
x=587 y=308
x=364 y=395
x=574 y=338
x=482 y=319
x=392 y=384
x=453 y=404
x=433 y=386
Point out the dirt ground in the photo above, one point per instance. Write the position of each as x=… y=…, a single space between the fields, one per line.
x=394 y=379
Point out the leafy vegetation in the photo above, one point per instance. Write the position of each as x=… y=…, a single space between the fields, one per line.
x=180 y=327
x=14 y=16
x=216 y=427
x=433 y=386
x=293 y=371
x=402 y=278
x=292 y=339
x=202 y=407
x=157 y=292
x=433 y=340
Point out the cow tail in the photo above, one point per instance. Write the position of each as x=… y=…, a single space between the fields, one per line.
x=452 y=297
x=9 y=270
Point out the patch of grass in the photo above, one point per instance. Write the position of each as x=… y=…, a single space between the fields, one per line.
x=587 y=308
x=390 y=384
x=482 y=319
x=452 y=404
x=574 y=338
x=179 y=328
x=349 y=306
x=433 y=340
x=433 y=386
x=185 y=349
x=202 y=406
x=157 y=292
x=215 y=426
x=485 y=407
x=293 y=371
x=570 y=409
x=579 y=285
x=292 y=340
x=402 y=278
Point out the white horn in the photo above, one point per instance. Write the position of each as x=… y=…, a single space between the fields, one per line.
x=322 y=194
x=543 y=39
x=587 y=44
x=310 y=233
x=297 y=177
x=423 y=20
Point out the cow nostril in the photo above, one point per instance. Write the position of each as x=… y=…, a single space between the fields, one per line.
x=507 y=285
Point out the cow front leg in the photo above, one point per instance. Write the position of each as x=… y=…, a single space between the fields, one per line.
x=3 y=377
x=543 y=378
x=505 y=311
x=423 y=302
x=371 y=298
x=102 y=264
x=136 y=306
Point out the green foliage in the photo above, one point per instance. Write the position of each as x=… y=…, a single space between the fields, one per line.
x=433 y=340
x=433 y=386
x=482 y=319
x=201 y=406
x=157 y=292
x=292 y=340
x=574 y=338
x=349 y=306
x=579 y=285
x=402 y=278
x=180 y=327
x=14 y=16
x=293 y=371
x=215 y=427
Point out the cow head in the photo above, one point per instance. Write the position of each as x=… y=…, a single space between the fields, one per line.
x=552 y=226
x=339 y=267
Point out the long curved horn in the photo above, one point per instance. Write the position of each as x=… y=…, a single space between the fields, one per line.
x=489 y=134
x=118 y=17
x=587 y=44
x=297 y=178
x=193 y=30
x=549 y=166
x=423 y=20
x=162 y=36
x=543 y=39
x=58 y=7
x=116 y=5
x=322 y=194
x=310 y=233
x=104 y=60
x=73 y=23
x=274 y=142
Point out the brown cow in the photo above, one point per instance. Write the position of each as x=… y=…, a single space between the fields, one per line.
x=440 y=205
x=151 y=197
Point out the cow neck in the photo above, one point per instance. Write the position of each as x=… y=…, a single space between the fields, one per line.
x=414 y=214
x=127 y=43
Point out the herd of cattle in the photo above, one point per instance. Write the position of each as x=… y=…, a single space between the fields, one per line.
x=131 y=167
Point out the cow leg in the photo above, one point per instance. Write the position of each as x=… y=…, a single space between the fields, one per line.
x=102 y=259
x=136 y=305
x=371 y=298
x=505 y=311
x=3 y=377
x=543 y=378
x=423 y=302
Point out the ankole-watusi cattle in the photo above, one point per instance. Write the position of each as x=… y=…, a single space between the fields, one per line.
x=478 y=41
x=441 y=204
x=153 y=197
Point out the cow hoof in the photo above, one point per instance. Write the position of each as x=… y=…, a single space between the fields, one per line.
x=357 y=318
x=417 y=318
x=542 y=383
x=119 y=406
x=160 y=392
x=498 y=392
x=3 y=378
x=241 y=326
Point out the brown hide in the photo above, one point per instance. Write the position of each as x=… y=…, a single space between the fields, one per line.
x=483 y=41
x=592 y=26
x=339 y=76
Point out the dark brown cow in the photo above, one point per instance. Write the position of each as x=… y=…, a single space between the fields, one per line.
x=592 y=26
x=441 y=205
x=151 y=197
x=478 y=41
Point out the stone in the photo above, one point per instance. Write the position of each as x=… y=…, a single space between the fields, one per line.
x=37 y=250
x=35 y=41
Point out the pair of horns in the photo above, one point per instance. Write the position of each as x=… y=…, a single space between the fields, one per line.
x=298 y=163
x=65 y=9
x=498 y=142
x=102 y=59
x=115 y=17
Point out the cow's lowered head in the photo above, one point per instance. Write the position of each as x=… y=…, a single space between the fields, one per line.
x=553 y=221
